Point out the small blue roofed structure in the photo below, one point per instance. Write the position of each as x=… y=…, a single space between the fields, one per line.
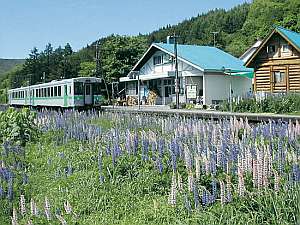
x=205 y=74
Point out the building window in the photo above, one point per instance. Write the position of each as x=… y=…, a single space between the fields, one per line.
x=271 y=49
x=285 y=48
x=157 y=60
x=279 y=77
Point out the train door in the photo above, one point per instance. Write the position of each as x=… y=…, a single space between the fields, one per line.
x=88 y=95
x=65 y=95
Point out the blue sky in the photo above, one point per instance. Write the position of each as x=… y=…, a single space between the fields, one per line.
x=28 y=23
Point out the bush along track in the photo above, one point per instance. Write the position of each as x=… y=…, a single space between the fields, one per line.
x=100 y=168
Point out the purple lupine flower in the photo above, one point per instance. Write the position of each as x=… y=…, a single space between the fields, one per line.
x=101 y=178
x=1 y=192
x=205 y=198
x=187 y=203
x=145 y=148
x=25 y=179
x=135 y=143
x=196 y=195
x=153 y=149
x=214 y=190
x=107 y=150
x=10 y=192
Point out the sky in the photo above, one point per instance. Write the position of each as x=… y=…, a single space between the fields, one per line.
x=25 y=24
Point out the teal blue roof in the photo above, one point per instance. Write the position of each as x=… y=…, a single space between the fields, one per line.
x=205 y=57
x=292 y=36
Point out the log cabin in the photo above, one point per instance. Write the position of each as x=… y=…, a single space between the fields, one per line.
x=276 y=62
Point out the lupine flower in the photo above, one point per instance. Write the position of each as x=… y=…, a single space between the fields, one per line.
x=173 y=191
x=14 y=218
x=229 y=189
x=101 y=178
x=33 y=208
x=196 y=195
x=254 y=173
x=205 y=198
x=180 y=183
x=67 y=207
x=187 y=203
x=276 y=181
x=197 y=165
x=61 y=219
x=222 y=192
x=47 y=209
x=22 y=205
x=190 y=182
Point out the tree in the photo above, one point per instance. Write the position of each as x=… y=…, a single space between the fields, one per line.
x=87 y=69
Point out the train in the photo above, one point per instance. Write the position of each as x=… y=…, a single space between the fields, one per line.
x=77 y=92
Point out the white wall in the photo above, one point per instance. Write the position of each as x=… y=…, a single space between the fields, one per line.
x=217 y=87
x=149 y=68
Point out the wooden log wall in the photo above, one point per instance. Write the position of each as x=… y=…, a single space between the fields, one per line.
x=264 y=75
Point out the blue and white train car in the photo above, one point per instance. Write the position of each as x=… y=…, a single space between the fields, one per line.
x=68 y=93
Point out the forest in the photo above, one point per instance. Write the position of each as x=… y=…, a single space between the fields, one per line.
x=238 y=28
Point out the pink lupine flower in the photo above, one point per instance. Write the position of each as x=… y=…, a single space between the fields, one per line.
x=47 y=209
x=14 y=218
x=197 y=165
x=172 y=195
x=33 y=208
x=276 y=181
x=180 y=183
x=67 y=207
x=222 y=192
x=22 y=205
x=190 y=181
x=254 y=173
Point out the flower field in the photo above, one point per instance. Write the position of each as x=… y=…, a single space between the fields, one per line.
x=112 y=168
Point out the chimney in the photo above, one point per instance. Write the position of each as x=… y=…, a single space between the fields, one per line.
x=170 y=40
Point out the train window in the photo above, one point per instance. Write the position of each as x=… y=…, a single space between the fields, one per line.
x=52 y=92
x=59 y=90
x=70 y=90
x=78 y=88
x=97 y=89
x=87 y=89
x=48 y=92
x=55 y=91
x=36 y=93
x=44 y=92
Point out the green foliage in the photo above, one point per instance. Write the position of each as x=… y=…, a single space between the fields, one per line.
x=17 y=127
x=87 y=69
x=272 y=104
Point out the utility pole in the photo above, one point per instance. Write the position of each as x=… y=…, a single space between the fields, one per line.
x=99 y=72
x=176 y=72
x=215 y=34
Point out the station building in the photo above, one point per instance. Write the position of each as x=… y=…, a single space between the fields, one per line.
x=206 y=75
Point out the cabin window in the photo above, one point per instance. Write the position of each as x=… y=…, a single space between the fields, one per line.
x=279 y=77
x=157 y=60
x=271 y=49
x=78 y=88
x=59 y=91
x=285 y=48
